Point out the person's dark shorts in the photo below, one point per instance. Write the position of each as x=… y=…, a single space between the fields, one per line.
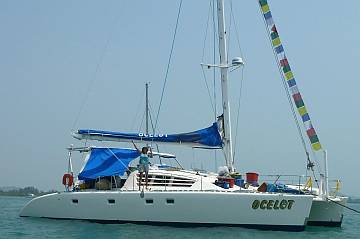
x=143 y=168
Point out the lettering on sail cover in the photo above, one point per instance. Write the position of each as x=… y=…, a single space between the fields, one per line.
x=152 y=135
x=273 y=204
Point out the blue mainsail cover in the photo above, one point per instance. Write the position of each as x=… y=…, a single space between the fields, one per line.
x=206 y=137
x=104 y=162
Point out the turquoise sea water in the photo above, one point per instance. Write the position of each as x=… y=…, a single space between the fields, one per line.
x=12 y=226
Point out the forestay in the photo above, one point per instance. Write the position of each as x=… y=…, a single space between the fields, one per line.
x=209 y=137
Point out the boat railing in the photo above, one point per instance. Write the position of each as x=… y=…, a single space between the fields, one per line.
x=165 y=182
x=303 y=183
x=334 y=187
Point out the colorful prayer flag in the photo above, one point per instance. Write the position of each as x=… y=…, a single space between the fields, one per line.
x=291 y=82
x=299 y=103
x=286 y=68
x=267 y=15
x=262 y=2
x=276 y=42
x=311 y=132
x=265 y=8
x=284 y=62
x=316 y=146
x=302 y=110
x=273 y=29
x=314 y=139
x=289 y=76
x=308 y=125
x=297 y=97
x=274 y=35
x=294 y=90
x=305 y=117
x=279 y=49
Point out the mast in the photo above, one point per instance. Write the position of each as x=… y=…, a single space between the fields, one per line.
x=147 y=108
x=224 y=85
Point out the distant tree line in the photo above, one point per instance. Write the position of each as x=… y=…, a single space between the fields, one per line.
x=27 y=191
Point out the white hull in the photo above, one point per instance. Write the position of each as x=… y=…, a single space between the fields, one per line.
x=327 y=212
x=187 y=207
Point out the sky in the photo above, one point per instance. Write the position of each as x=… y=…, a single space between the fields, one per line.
x=67 y=65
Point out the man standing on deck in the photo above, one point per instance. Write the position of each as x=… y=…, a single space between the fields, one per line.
x=143 y=163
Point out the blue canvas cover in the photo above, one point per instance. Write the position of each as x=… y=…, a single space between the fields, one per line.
x=281 y=188
x=205 y=137
x=107 y=162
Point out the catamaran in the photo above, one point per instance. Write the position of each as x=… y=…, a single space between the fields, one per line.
x=103 y=186
x=108 y=190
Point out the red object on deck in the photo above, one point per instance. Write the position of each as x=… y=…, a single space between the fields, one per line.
x=231 y=181
x=252 y=177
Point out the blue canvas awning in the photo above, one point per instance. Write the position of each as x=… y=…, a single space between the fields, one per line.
x=104 y=162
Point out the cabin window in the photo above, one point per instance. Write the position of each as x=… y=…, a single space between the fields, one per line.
x=149 y=201
x=75 y=201
x=170 y=201
x=168 y=181
x=111 y=201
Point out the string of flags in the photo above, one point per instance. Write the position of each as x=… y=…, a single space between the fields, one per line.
x=289 y=76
